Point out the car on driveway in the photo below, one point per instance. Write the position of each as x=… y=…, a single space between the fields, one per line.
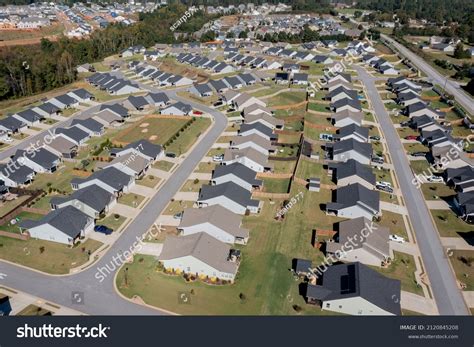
x=198 y=113
x=103 y=229
x=374 y=138
x=418 y=154
x=218 y=158
x=396 y=238
x=378 y=160
x=170 y=155
x=435 y=179
x=404 y=124
x=178 y=215
x=412 y=137
x=384 y=187
x=326 y=137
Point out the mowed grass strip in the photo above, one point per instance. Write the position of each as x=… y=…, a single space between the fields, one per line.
x=50 y=257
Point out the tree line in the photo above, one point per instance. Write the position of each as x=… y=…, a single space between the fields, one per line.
x=27 y=70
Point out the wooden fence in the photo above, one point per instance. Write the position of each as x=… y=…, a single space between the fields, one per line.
x=23 y=237
x=258 y=194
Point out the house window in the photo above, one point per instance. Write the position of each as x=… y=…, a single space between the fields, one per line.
x=328 y=305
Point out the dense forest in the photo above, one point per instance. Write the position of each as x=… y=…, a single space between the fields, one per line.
x=26 y=70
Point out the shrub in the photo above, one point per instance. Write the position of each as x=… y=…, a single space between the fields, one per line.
x=42 y=249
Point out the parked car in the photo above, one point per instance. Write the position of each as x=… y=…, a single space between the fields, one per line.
x=374 y=138
x=326 y=137
x=418 y=154
x=231 y=110
x=103 y=229
x=378 y=160
x=178 y=215
x=218 y=103
x=170 y=155
x=384 y=183
x=218 y=158
x=404 y=124
x=197 y=113
x=384 y=188
x=435 y=179
x=411 y=137
x=396 y=238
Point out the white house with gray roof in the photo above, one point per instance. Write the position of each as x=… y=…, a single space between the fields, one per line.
x=199 y=254
x=111 y=179
x=353 y=201
x=237 y=173
x=356 y=289
x=229 y=195
x=371 y=245
x=216 y=221
x=65 y=225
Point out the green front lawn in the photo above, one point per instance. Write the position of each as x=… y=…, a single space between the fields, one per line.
x=193 y=185
x=163 y=165
x=286 y=98
x=149 y=181
x=50 y=257
x=112 y=221
x=177 y=206
x=131 y=199
x=449 y=225
x=462 y=262
x=403 y=268
x=433 y=191
x=205 y=167
x=421 y=167
x=394 y=222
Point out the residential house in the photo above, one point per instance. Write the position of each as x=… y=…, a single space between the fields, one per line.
x=350 y=149
x=350 y=172
x=353 y=201
x=111 y=179
x=371 y=248
x=237 y=173
x=65 y=225
x=229 y=195
x=216 y=221
x=40 y=160
x=199 y=254
x=249 y=157
x=356 y=289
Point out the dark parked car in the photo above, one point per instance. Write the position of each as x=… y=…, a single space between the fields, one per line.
x=384 y=188
x=103 y=229
x=418 y=154
x=378 y=160
x=404 y=124
x=171 y=155
x=374 y=138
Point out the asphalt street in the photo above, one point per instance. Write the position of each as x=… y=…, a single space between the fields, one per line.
x=447 y=295
x=451 y=87
x=100 y=298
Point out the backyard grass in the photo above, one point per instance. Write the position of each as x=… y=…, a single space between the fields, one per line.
x=60 y=180
x=283 y=166
x=267 y=256
x=7 y=206
x=163 y=165
x=50 y=257
x=193 y=185
x=33 y=310
x=112 y=221
x=318 y=107
x=286 y=98
x=394 y=222
x=307 y=169
x=406 y=131
x=403 y=268
x=177 y=206
x=131 y=199
x=149 y=181
x=205 y=167
x=462 y=262
x=289 y=138
x=449 y=225
x=13 y=228
x=273 y=185
x=434 y=191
